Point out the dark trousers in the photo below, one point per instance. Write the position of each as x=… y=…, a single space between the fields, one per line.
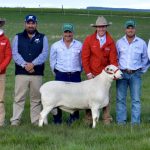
x=68 y=77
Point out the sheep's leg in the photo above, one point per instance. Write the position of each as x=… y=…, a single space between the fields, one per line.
x=95 y=116
x=98 y=114
x=46 y=121
x=54 y=111
x=44 y=114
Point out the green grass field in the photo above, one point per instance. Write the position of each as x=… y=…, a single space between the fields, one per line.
x=79 y=136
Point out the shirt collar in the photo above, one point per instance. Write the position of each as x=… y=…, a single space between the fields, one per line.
x=1 y=32
x=101 y=38
x=26 y=34
x=73 y=41
x=135 y=38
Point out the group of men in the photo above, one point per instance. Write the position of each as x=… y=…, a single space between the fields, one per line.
x=67 y=58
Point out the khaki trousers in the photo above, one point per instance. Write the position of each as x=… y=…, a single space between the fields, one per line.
x=23 y=84
x=2 y=92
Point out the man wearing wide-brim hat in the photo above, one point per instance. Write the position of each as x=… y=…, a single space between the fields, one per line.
x=98 y=51
x=5 y=57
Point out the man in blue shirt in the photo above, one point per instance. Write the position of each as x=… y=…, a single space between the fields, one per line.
x=133 y=60
x=30 y=50
x=65 y=62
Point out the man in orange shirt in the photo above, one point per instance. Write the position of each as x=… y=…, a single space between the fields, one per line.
x=98 y=51
x=5 y=57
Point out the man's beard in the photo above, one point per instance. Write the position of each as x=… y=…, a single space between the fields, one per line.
x=31 y=31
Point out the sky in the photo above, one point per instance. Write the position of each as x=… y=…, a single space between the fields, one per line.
x=138 y=4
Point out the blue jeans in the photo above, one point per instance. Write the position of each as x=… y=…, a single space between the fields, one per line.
x=133 y=81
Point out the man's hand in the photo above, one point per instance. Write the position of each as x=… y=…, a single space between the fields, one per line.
x=90 y=76
x=31 y=71
x=29 y=67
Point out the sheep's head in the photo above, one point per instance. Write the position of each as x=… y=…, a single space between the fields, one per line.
x=114 y=71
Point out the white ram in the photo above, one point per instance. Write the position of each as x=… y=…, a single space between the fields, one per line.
x=90 y=94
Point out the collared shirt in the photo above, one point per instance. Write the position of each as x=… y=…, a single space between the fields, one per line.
x=66 y=59
x=148 y=49
x=102 y=40
x=37 y=61
x=1 y=32
x=132 y=56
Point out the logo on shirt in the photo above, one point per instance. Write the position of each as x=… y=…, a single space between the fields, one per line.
x=37 y=41
x=107 y=48
x=94 y=46
x=2 y=43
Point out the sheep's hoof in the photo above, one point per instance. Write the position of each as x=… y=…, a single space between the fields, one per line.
x=45 y=121
x=40 y=123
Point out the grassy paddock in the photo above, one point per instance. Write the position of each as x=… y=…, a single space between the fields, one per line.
x=79 y=136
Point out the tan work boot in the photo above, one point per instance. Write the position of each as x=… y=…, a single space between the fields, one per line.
x=88 y=117
x=107 y=118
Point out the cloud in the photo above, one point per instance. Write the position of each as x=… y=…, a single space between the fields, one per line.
x=141 y=4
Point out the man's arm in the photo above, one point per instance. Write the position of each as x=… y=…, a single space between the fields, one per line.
x=8 y=55
x=53 y=58
x=113 y=57
x=145 y=61
x=85 y=55
x=16 y=56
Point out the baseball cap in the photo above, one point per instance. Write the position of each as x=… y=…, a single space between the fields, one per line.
x=130 y=23
x=68 y=26
x=30 y=18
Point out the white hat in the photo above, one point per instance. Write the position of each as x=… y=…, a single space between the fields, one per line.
x=101 y=21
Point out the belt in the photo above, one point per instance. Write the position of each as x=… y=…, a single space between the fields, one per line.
x=68 y=73
x=130 y=71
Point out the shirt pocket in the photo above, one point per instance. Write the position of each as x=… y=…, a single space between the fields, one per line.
x=122 y=50
x=106 y=53
x=61 y=54
x=2 y=48
x=60 y=50
x=76 y=52
x=122 y=53
x=137 y=52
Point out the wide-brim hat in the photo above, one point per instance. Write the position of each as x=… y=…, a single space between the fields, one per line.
x=101 y=21
x=2 y=22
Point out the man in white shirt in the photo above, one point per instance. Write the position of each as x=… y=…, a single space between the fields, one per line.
x=133 y=60
x=65 y=62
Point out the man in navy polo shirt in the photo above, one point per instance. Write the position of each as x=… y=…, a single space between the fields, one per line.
x=30 y=50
